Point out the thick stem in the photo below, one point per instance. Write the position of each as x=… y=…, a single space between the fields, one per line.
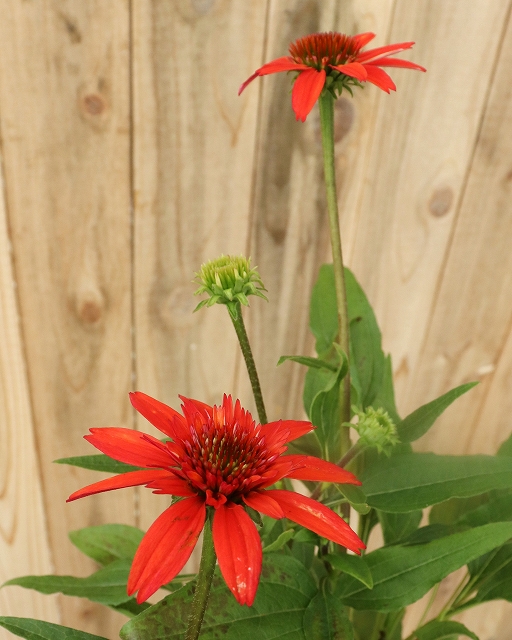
x=235 y=314
x=326 y=105
x=204 y=583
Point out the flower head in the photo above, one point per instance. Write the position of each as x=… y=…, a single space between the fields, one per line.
x=217 y=458
x=228 y=280
x=334 y=61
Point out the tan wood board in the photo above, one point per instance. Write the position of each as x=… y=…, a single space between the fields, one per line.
x=24 y=546
x=65 y=134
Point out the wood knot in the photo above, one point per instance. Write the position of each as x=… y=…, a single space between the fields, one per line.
x=94 y=104
x=202 y=6
x=441 y=202
x=89 y=308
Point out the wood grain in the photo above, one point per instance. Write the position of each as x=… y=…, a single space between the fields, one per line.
x=65 y=135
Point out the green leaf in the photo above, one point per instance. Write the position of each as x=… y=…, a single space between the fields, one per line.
x=365 y=340
x=280 y=542
x=497 y=509
x=106 y=586
x=403 y=574
x=38 y=630
x=505 y=449
x=419 y=422
x=323 y=314
x=397 y=526
x=326 y=618
x=451 y=511
x=98 y=462
x=355 y=496
x=354 y=566
x=368 y=623
x=108 y=542
x=315 y=363
x=418 y=480
x=285 y=590
x=436 y=630
x=316 y=381
x=385 y=397
x=495 y=579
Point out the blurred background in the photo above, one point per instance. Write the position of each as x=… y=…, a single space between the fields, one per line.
x=127 y=160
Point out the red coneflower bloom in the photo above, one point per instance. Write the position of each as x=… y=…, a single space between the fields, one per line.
x=334 y=60
x=220 y=458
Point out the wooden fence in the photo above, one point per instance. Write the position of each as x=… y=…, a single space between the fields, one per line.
x=128 y=159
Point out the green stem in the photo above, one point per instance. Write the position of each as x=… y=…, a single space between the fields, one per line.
x=204 y=583
x=235 y=313
x=326 y=105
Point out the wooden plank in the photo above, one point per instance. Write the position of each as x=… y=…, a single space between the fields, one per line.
x=423 y=143
x=469 y=333
x=24 y=546
x=64 y=106
x=193 y=158
x=289 y=221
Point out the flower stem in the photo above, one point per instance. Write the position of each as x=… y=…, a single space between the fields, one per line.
x=235 y=313
x=204 y=583
x=326 y=105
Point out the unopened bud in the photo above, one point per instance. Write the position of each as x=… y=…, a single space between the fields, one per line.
x=228 y=280
x=376 y=429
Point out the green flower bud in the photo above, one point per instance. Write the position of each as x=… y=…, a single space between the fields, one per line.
x=376 y=429
x=228 y=280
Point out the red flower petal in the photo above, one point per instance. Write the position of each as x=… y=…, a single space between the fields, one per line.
x=262 y=502
x=286 y=430
x=363 y=39
x=275 y=66
x=380 y=78
x=318 y=518
x=389 y=48
x=171 y=485
x=238 y=548
x=352 y=69
x=127 y=445
x=166 y=547
x=319 y=470
x=159 y=414
x=130 y=479
x=306 y=90
x=395 y=62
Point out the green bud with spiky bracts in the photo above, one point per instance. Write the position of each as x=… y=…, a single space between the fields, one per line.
x=376 y=429
x=228 y=280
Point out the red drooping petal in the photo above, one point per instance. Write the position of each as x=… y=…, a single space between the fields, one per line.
x=394 y=62
x=238 y=547
x=129 y=446
x=166 y=547
x=318 y=518
x=262 y=502
x=380 y=78
x=362 y=39
x=389 y=48
x=193 y=408
x=306 y=90
x=130 y=479
x=318 y=470
x=352 y=69
x=159 y=414
x=275 y=66
x=286 y=430
x=171 y=485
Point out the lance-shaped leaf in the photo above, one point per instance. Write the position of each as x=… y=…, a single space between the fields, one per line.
x=419 y=422
x=285 y=590
x=106 y=586
x=323 y=314
x=437 y=630
x=418 y=480
x=99 y=462
x=39 y=630
x=354 y=566
x=403 y=574
x=107 y=542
